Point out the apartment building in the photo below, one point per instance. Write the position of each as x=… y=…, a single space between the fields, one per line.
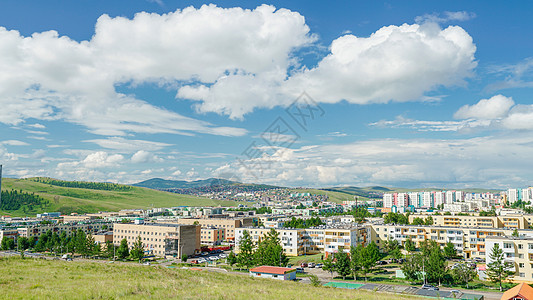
x=507 y=221
x=68 y=228
x=297 y=241
x=228 y=224
x=518 y=251
x=160 y=239
x=468 y=241
x=212 y=235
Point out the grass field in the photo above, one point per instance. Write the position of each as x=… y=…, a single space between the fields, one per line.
x=297 y=260
x=67 y=200
x=42 y=279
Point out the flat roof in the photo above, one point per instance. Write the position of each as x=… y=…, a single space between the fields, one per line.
x=272 y=270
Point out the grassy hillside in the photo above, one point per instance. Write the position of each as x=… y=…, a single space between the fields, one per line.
x=41 y=279
x=67 y=200
x=379 y=189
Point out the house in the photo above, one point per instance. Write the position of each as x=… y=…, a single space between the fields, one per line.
x=279 y=273
x=520 y=292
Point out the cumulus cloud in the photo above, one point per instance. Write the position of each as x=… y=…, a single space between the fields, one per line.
x=495 y=161
x=143 y=156
x=486 y=109
x=396 y=63
x=94 y=160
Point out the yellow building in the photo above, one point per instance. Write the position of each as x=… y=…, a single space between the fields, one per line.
x=212 y=235
x=228 y=224
x=160 y=239
x=506 y=221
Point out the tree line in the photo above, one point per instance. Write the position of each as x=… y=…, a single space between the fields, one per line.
x=14 y=200
x=106 y=186
x=303 y=223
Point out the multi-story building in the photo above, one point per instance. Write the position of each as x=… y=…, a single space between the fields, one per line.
x=212 y=235
x=322 y=239
x=68 y=228
x=518 y=251
x=469 y=242
x=507 y=221
x=160 y=239
x=228 y=224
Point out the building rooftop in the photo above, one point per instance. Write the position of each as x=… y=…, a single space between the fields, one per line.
x=523 y=290
x=272 y=270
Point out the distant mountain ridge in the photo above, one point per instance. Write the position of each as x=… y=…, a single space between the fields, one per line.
x=159 y=183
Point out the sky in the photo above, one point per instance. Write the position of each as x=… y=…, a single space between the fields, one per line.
x=303 y=93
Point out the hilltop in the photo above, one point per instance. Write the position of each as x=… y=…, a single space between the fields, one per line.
x=163 y=184
x=88 y=200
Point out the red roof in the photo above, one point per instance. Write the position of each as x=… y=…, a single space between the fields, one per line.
x=272 y=270
x=523 y=290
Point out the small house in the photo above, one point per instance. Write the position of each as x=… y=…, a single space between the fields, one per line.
x=279 y=273
x=520 y=292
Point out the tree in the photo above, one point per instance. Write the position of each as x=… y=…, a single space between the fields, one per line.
x=328 y=265
x=109 y=249
x=23 y=243
x=410 y=245
x=449 y=250
x=418 y=221
x=463 y=274
x=8 y=243
x=369 y=257
x=515 y=233
x=392 y=247
x=428 y=221
x=498 y=269
x=435 y=268
x=315 y=281
x=342 y=264
x=137 y=251
x=269 y=251
x=412 y=267
x=123 y=251
x=246 y=248
x=184 y=257
x=231 y=259
x=80 y=243
x=355 y=262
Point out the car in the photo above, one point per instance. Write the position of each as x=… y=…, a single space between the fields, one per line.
x=479 y=259
x=205 y=253
x=429 y=287
x=456 y=292
x=303 y=265
x=299 y=270
x=194 y=261
x=223 y=255
x=213 y=258
x=381 y=262
x=319 y=265
x=311 y=265
x=201 y=260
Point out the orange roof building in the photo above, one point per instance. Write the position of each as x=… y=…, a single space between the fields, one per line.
x=520 y=292
x=274 y=272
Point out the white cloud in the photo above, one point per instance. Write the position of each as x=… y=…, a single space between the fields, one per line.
x=14 y=143
x=122 y=144
x=486 y=109
x=93 y=160
x=446 y=16
x=36 y=125
x=494 y=161
x=443 y=126
x=396 y=63
x=143 y=156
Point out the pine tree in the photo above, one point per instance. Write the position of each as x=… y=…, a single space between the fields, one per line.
x=137 y=251
x=246 y=248
x=498 y=269
x=342 y=264
x=123 y=251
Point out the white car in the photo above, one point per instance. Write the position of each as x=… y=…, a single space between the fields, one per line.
x=223 y=255
x=213 y=258
x=201 y=261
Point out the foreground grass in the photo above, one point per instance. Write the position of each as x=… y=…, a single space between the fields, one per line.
x=67 y=200
x=41 y=279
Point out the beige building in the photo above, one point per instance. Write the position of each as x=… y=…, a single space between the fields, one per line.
x=68 y=228
x=160 y=239
x=518 y=251
x=228 y=224
x=297 y=241
x=506 y=221
x=469 y=242
x=212 y=235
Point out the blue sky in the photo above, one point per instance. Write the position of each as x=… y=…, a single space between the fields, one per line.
x=411 y=93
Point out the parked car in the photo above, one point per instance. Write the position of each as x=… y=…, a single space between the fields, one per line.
x=429 y=287
x=381 y=262
x=311 y=265
x=205 y=253
x=299 y=270
x=319 y=265
x=223 y=255
x=479 y=259
x=194 y=261
x=303 y=265
x=201 y=260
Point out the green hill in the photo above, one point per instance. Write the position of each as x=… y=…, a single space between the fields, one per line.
x=47 y=279
x=82 y=200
